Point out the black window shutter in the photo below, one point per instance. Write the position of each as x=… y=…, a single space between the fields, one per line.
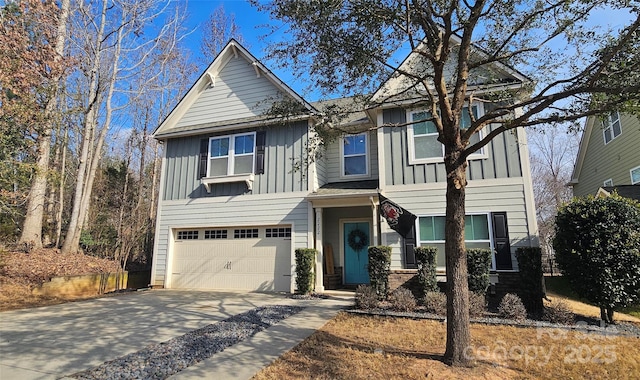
x=409 y=250
x=261 y=137
x=204 y=155
x=501 y=240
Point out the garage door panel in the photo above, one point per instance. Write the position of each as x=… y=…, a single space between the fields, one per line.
x=247 y=264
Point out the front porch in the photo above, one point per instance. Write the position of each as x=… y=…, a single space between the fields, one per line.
x=345 y=223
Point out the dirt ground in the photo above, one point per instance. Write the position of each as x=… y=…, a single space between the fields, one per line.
x=21 y=272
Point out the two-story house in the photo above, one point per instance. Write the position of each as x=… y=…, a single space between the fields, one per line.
x=235 y=202
x=608 y=156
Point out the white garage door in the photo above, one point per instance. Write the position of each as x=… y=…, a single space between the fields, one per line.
x=254 y=258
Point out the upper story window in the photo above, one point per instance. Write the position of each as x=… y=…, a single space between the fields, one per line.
x=608 y=182
x=635 y=175
x=355 y=155
x=424 y=146
x=231 y=155
x=611 y=127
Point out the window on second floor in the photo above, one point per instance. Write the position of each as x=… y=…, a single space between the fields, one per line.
x=231 y=155
x=635 y=175
x=608 y=182
x=611 y=127
x=424 y=146
x=354 y=151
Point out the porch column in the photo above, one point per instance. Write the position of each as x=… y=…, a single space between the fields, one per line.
x=375 y=220
x=320 y=248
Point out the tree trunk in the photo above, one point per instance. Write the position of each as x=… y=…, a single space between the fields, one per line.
x=72 y=237
x=458 y=334
x=32 y=226
x=606 y=314
x=31 y=235
x=63 y=168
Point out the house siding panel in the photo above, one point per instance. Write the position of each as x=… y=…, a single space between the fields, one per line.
x=503 y=157
x=237 y=93
x=284 y=146
x=479 y=199
x=248 y=210
x=333 y=158
x=613 y=160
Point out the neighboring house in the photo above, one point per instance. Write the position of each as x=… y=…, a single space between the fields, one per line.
x=235 y=203
x=609 y=155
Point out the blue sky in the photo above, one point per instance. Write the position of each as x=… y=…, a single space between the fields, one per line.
x=253 y=26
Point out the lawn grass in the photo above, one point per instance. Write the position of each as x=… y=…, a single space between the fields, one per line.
x=368 y=347
x=558 y=285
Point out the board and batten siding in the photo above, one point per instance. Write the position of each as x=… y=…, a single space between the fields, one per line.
x=334 y=158
x=611 y=161
x=494 y=197
x=284 y=146
x=503 y=157
x=237 y=93
x=245 y=210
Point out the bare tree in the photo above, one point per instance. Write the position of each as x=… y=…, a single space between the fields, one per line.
x=216 y=32
x=116 y=50
x=553 y=152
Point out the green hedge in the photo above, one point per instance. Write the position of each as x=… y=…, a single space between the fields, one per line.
x=379 y=267
x=426 y=258
x=305 y=259
x=531 y=278
x=478 y=266
x=597 y=248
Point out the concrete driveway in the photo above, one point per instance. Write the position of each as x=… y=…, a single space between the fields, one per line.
x=56 y=341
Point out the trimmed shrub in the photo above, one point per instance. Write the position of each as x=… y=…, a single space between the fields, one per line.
x=436 y=303
x=477 y=304
x=366 y=297
x=402 y=299
x=511 y=307
x=597 y=248
x=559 y=312
x=478 y=266
x=379 y=267
x=305 y=258
x=531 y=278
x=426 y=259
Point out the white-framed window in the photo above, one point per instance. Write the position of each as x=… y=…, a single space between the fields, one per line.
x=422 y=136
x=231 y=154
x=476 y=232
x=355 y=155
x=635 y=175
x=608 y=182
x=611 y=127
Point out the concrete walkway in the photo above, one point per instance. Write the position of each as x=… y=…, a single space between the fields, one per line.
x=56 y=341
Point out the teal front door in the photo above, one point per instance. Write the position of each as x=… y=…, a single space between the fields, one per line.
x=356 y=255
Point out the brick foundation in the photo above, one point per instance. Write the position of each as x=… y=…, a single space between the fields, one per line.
x=508 y=282
x=406 y=278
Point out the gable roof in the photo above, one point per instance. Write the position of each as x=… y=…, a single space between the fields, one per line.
x=508 y=77
x=169 y=128
x=582 y=150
